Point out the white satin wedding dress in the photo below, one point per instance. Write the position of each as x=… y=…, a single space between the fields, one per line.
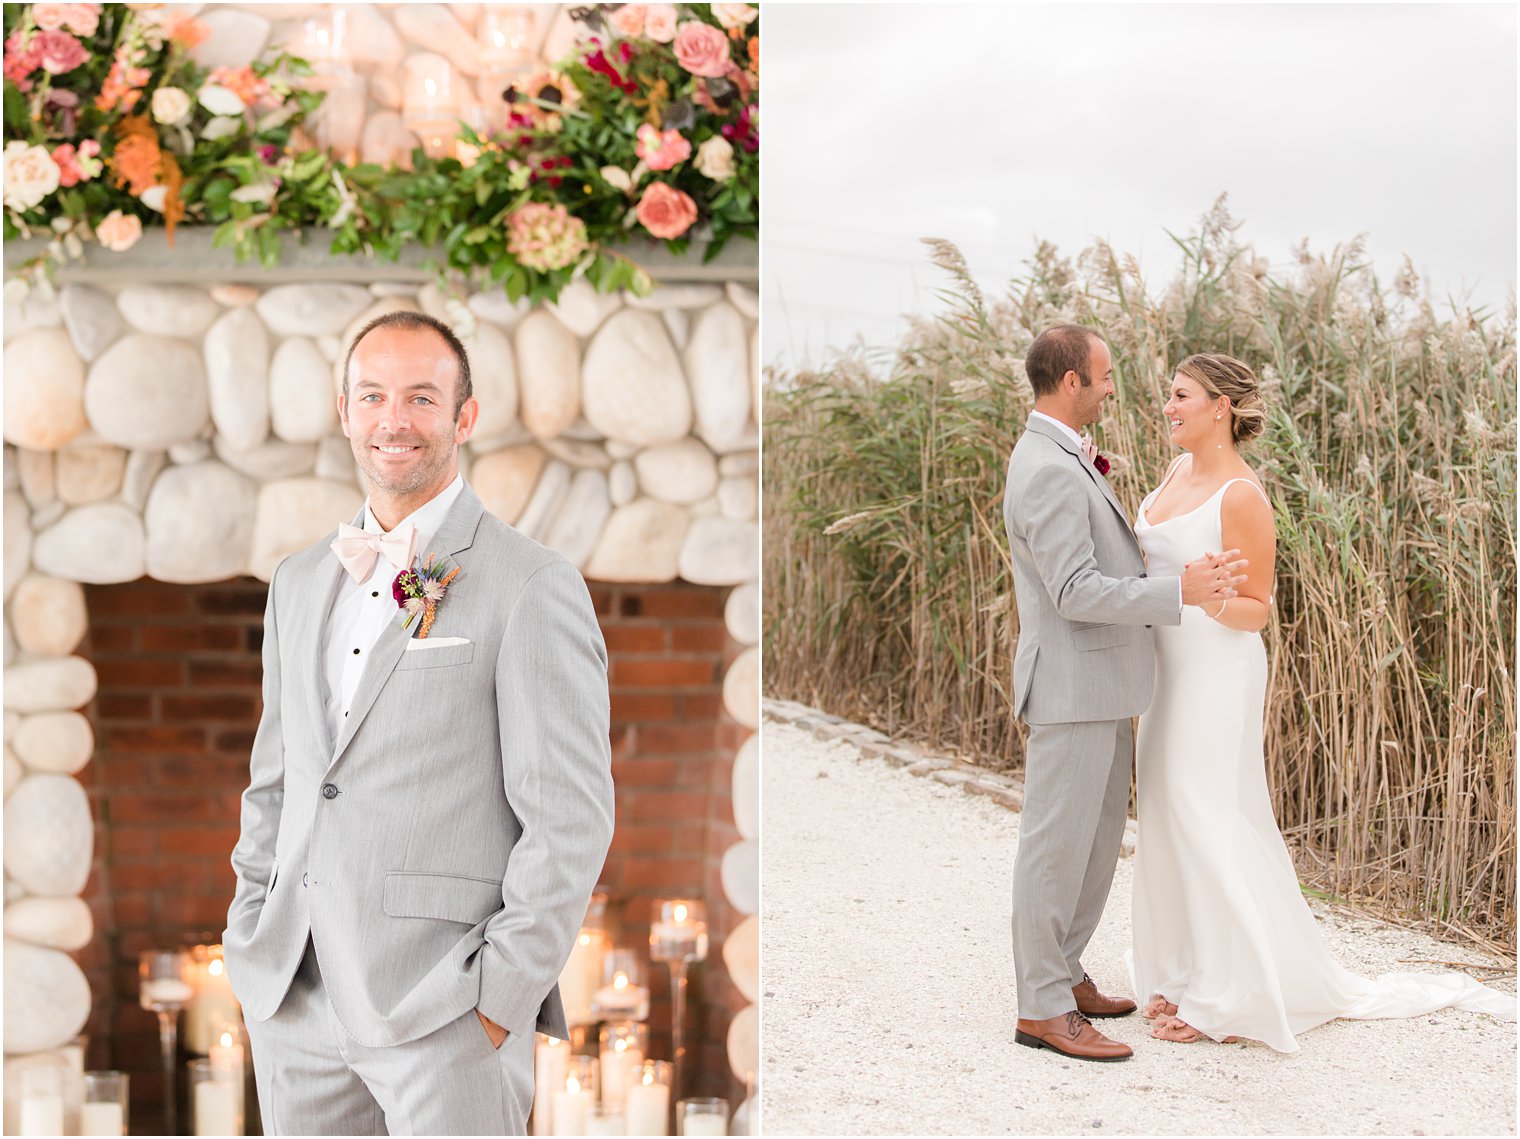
x=1220 y=928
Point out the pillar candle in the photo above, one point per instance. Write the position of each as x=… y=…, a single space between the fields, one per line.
x=706 y=1125
x=218 y=1107
x=42 y=1115
x=550 y=1063
x=101 y=1119
x=648 y=1109
x=578 y=980
x=571 y=1106
x=618 y=1066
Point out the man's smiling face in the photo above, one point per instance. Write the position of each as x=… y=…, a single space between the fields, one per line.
x=399 y=414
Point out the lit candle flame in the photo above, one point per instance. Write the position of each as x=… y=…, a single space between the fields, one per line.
x=620 y=981
x=226 y=1040
x=620 y=1045
x=585 y=938
x=681 y=913
x=215 y=968
x=648 y=1078
x=572 y=1084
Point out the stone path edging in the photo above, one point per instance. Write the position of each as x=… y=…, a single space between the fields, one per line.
x=1004 y=790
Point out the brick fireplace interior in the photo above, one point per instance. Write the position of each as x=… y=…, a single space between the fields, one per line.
x=178 y=703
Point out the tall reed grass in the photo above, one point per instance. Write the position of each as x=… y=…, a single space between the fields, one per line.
x=1390 y=460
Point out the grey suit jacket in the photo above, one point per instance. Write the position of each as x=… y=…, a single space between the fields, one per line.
x=1085 y=650
x=441 y=852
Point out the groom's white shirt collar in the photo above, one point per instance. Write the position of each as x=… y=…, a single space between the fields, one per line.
x=1070 y=434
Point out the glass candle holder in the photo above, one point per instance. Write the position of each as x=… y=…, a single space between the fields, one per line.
x=508 y=39
x=213 y=1003
x=702 y=1116
x=164 y=989
x=105 y=1104
x=624 y=1046
x=216 y=1098
x=679 y=931
x=648 y=1099
x=42 y=1094
x=428 y=101
x=622 y=995
x=573 y=1099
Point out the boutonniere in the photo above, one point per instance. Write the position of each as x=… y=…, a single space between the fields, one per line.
x=420 y=590
x=1094 y=456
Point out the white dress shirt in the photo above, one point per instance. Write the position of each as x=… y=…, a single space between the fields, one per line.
x=362 y=610
x=1077 y=439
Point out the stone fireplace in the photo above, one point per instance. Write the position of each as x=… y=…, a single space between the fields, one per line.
x=169 y=439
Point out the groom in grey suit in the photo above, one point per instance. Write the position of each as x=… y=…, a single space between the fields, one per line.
x=429 y=808
x=1085 y=665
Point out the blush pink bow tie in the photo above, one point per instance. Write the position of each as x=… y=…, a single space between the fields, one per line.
x=357 y=549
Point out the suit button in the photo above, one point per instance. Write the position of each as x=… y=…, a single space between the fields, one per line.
x=329 y=790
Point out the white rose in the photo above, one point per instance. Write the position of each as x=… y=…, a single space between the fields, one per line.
x=715 y=159
x=735 y=15
x=260 y=193
x=153 y=197
x=30 y=175
x=171 y=105
x=219 y=100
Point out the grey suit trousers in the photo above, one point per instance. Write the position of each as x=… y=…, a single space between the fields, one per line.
x=315 y=1079
x=1069 y=838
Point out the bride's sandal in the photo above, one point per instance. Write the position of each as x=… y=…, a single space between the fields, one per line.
x=1158 y=1006
x=1175 y=1030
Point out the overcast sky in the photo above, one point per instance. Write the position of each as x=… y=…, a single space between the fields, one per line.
x=995 y=125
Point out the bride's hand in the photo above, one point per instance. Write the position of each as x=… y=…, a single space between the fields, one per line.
x=1213 y=578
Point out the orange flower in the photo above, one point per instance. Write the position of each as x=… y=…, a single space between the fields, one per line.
x=121 y=86
x=242 y=82
x=139 y=165
x=186 y=31
x=754 y=54
x=134 y=165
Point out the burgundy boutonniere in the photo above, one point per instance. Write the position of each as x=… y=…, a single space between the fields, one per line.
x=420 y=590
x=1095 y=456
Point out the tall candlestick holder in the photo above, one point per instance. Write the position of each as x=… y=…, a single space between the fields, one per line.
x=164 y=989
x=678 y=936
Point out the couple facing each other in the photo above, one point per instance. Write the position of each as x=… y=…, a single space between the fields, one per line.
x=1119 y=620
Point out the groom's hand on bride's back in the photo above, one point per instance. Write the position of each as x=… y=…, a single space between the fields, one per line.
x=1213 y=578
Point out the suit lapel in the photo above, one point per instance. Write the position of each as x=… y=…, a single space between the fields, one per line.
x=1059 y=438
x=454 y=537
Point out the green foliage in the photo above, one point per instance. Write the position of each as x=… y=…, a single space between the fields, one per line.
x=1390 y=459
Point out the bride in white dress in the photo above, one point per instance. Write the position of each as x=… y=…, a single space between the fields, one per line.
x=1224 y=944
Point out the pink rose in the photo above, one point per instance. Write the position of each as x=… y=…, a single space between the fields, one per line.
x=665 y=211
x=628 y=21
x=58 y=52
x=118 y=232
x=81 y=19
x=20 y=61
x=661 y=150
x=660 y=23
x=702 y=49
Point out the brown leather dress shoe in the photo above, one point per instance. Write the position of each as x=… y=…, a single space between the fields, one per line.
x=1092 y=1003
x=1071 y=1034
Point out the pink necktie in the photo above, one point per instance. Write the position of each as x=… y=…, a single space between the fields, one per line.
x=357 y=549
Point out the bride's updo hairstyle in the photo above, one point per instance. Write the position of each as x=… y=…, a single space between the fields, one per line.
x=1223 y=375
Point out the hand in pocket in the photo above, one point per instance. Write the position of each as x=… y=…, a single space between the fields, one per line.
x=496 y=1032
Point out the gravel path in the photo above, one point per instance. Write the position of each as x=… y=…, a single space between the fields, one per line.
x=889 y=1004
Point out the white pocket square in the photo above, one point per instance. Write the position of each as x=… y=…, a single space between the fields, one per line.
x=415 y=645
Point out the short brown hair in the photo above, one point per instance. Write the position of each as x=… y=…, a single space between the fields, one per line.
x=411 y=321
x=1061 y=348
x=1223 y=375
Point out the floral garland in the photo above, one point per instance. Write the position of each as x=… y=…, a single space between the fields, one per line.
x=648 y=130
